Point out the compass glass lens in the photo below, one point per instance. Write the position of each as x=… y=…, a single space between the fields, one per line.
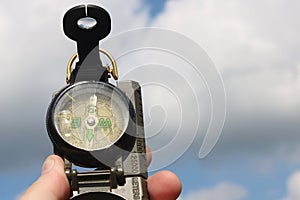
x=91 y=116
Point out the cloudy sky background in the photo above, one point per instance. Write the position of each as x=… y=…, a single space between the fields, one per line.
x=255 y=47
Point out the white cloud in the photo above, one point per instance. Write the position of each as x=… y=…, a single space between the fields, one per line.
x=257 y=56
x=224 y=191
x=293 y=187
x=255 y=46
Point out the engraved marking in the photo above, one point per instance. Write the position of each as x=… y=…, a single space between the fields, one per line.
x=135 y=188
x=134 y=163
x=140 y=145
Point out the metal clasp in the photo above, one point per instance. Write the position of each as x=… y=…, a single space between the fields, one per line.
x=113 y=71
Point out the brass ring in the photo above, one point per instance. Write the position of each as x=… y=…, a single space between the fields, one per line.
x=113 y=71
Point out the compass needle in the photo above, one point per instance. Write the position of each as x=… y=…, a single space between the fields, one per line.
x=68 y=95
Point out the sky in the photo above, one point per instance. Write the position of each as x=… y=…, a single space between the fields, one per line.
x=248 y=48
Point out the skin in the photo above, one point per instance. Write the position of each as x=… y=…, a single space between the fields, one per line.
x=53 y=183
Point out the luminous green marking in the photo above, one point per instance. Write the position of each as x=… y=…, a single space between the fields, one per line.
x=91 y=109
x=105 y=123
x=76 y=122
x=90 y=135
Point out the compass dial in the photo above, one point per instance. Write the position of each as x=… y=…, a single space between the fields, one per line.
x=91 y=116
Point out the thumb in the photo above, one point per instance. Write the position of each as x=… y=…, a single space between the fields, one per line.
x=52 y=184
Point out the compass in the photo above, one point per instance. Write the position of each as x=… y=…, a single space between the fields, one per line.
x=94 y=124
x=92 y=119
x=91 y=116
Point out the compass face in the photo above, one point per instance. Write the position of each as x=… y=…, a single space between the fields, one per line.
x=91 y=116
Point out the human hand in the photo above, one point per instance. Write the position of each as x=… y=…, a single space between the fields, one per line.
x=53 y=183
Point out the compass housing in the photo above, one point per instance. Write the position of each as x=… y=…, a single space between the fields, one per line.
x=92 y=124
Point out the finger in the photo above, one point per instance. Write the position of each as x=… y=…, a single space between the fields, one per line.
x=52 y=184
x=164 y=185
x=148 y=155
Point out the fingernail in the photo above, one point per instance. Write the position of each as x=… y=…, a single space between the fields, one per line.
x=48 y=165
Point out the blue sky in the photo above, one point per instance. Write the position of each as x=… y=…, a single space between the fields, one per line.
x=156 y=6
x=255 y=47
